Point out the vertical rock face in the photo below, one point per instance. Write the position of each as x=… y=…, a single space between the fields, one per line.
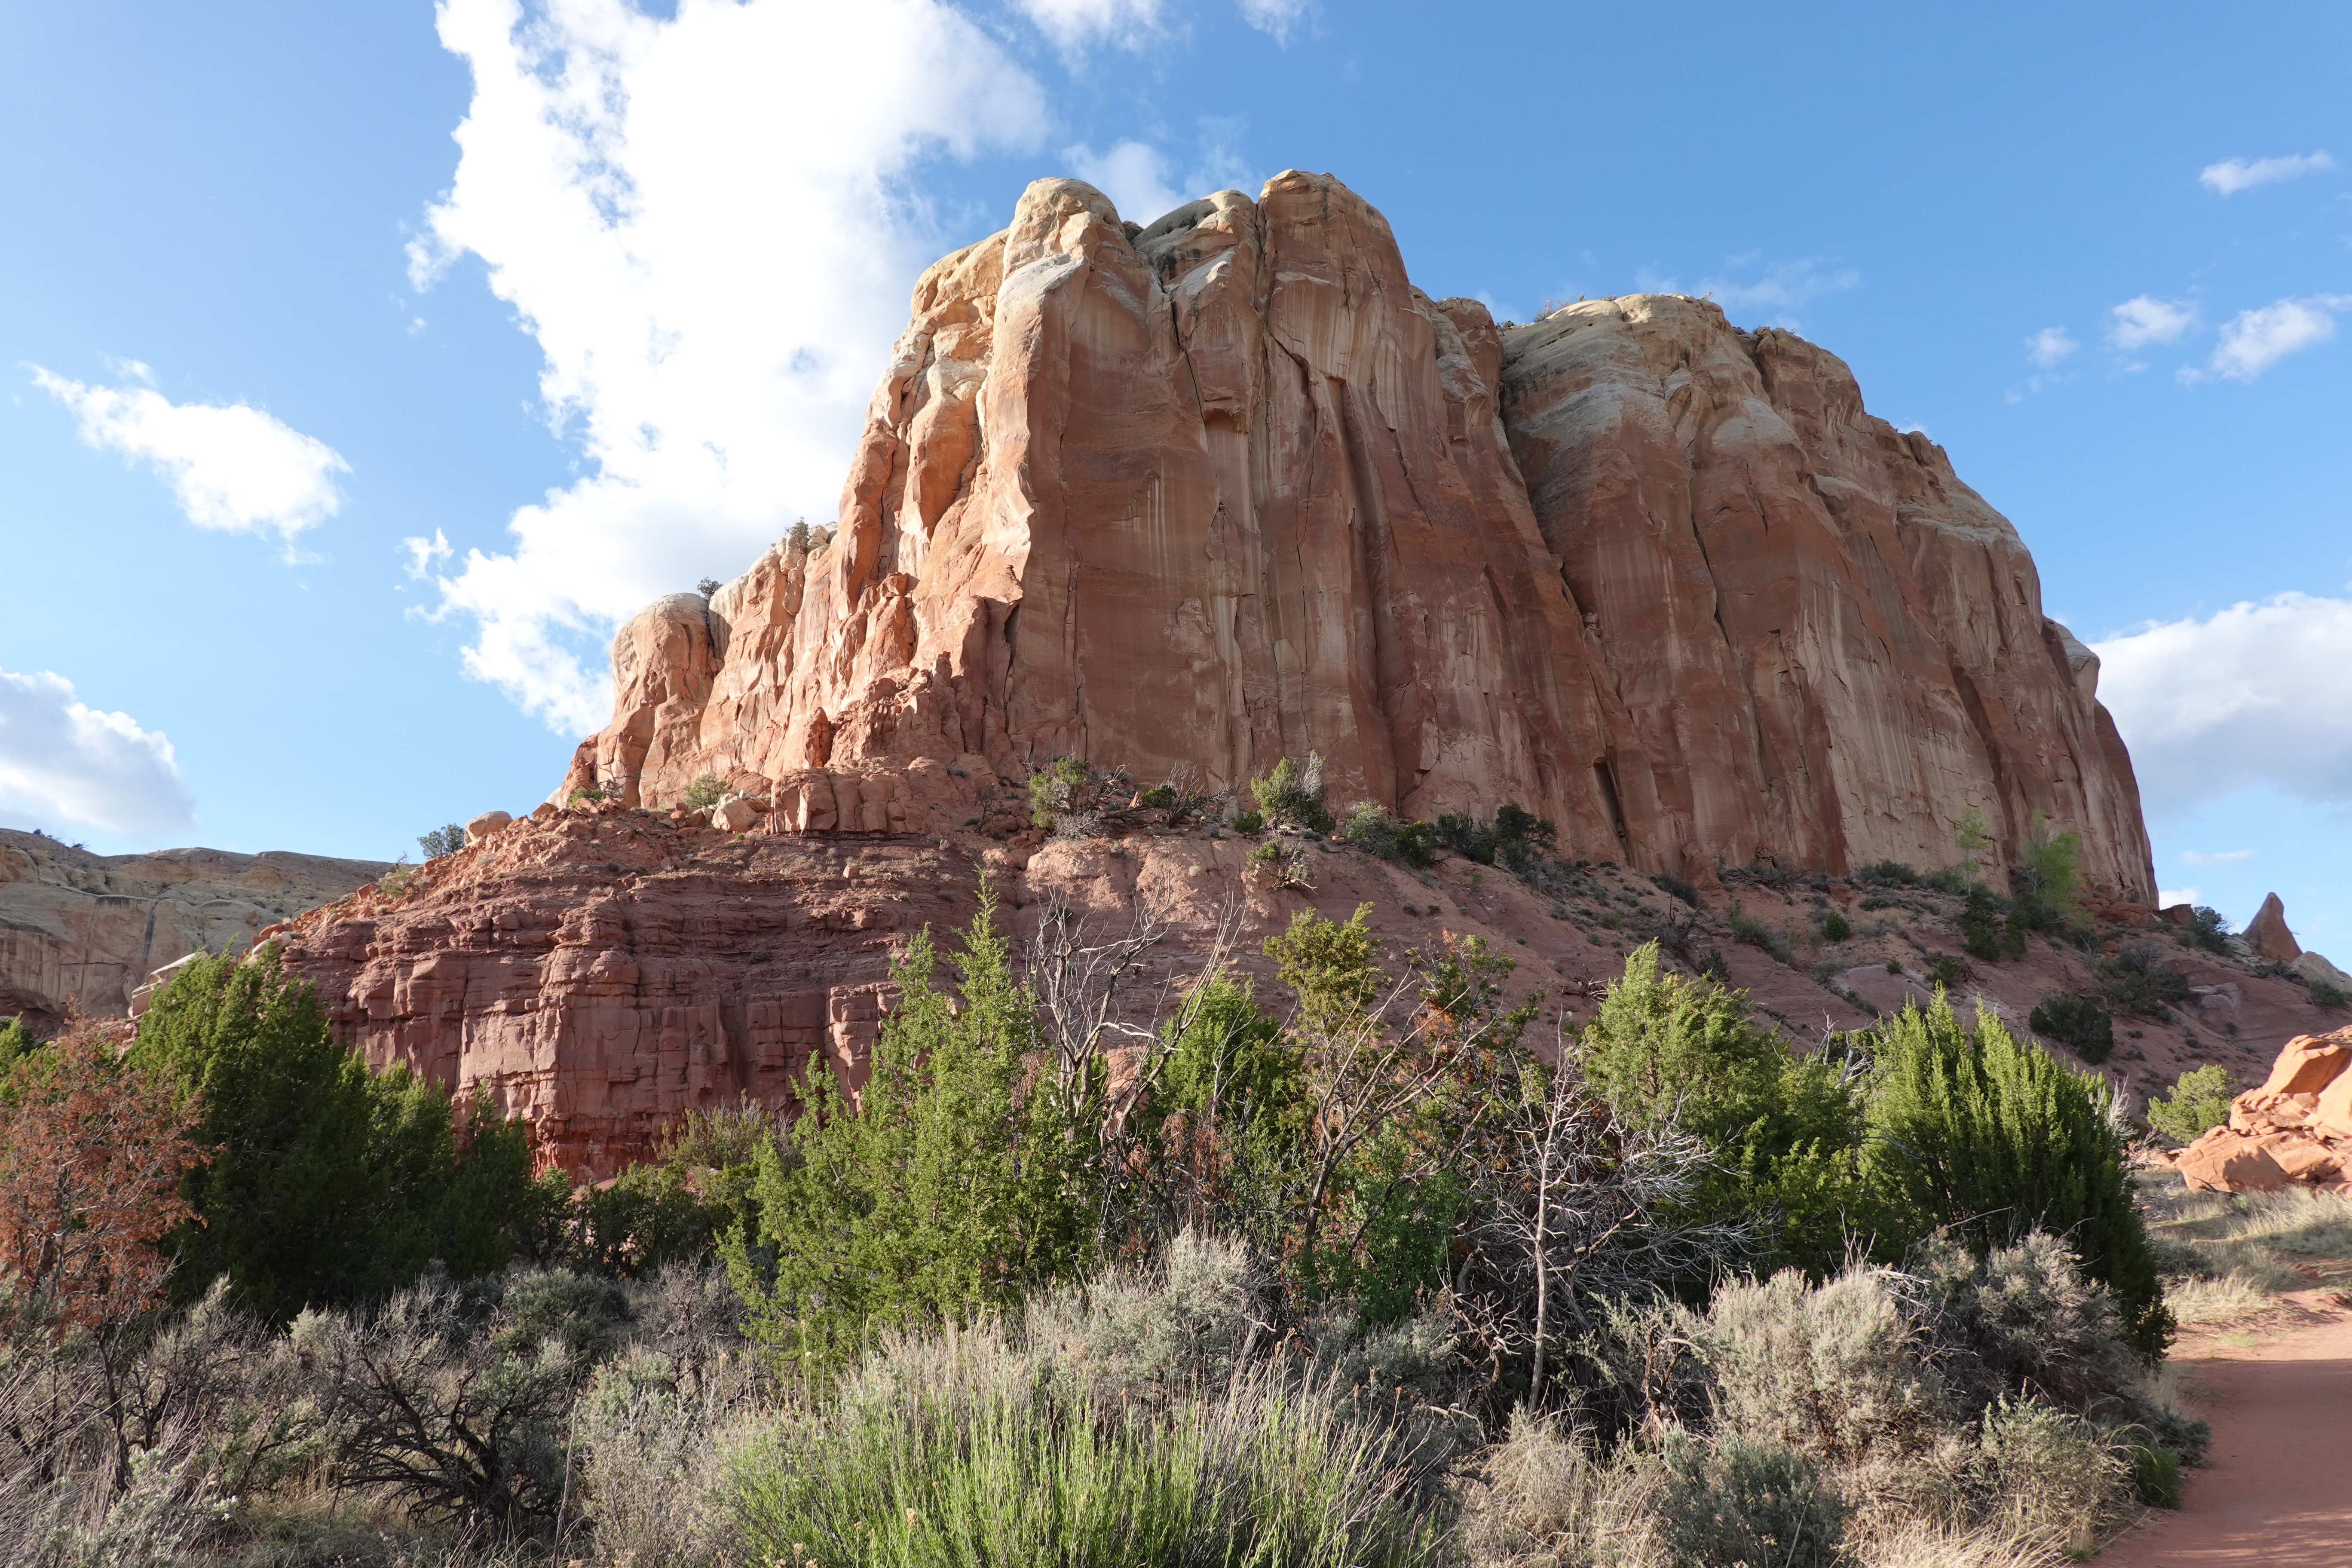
x=1229 y=488
x=1828 y=648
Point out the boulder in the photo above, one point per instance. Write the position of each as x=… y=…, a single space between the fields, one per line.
x=2307 y=1065
x=2316 y=970
x=2267 y=934
x=2225 y=1161
x=735 y=815
x=482 y=826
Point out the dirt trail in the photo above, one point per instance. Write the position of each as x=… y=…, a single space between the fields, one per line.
x=2275 y=1492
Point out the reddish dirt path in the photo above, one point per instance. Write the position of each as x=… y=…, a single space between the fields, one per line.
x=2275 y=1492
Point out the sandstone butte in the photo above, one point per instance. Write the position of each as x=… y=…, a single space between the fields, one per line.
x=1189 y=498
x=80 y=932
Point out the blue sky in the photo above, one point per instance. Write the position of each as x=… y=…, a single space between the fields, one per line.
x=338 y=440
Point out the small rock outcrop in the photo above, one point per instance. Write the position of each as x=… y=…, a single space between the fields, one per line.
x=2296 y=1126
x=2267 y=933
x=1199 y=496
x=83 y=931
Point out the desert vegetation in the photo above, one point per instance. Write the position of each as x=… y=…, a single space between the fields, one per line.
x=1356 y=1266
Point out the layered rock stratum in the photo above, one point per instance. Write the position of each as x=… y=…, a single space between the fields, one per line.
x=1186 y=500
x=82 y=931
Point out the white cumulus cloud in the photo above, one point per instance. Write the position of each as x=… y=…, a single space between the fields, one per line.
x=1074 y=23
x=60 y=758
x=2231 y=176
x=231 y=467
x=2138 y=323
x=708 y=224
x=2050 y=346
x=2254 y=340
x=2255 y=694
x=2168 y=897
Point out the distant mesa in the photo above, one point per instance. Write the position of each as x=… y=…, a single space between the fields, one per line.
x=84 y=931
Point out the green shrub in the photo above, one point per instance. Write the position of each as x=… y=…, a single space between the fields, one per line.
x=1989 y=1136
x=1981 y=927
x=1285 y=863
x=1292 y=796
x=2206 y=929
x=1737 y=1504
x=1782 y=1129
x=2327 y=996
x=17 y=1042
x=2137 y=980
x=959 y=1180
x=1747 y=928
x=2200 y=1103
x=1888 y=874
x=1250 y=822
x=328 y=1184
x=443 y=840
x=1371 y=829
x=1947 y=972
x=1835 y=927
x=2047 y=880
x=1053 y=790
x=2076 y=1021
x=1515 y=836
x=703 y=793
x=2155 y=1476
x=1675 y=886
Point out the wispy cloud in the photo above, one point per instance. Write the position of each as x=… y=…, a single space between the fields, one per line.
x=2231 y=176
x=1279 y=19
x=60 y=758
x=2143 y=320
x=2254 y=694
x=2050 y=346
x=1076 y=24
x=1748 y=285
x=231 y=467
x=2254 y=340
x=2219 y=857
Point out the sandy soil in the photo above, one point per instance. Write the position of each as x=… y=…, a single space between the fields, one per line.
x=2275 y=1492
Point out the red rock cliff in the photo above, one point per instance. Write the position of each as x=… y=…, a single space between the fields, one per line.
x=1230 y=488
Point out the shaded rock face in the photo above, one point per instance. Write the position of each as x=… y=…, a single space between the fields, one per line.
x=1230 y=488
x=79 y=930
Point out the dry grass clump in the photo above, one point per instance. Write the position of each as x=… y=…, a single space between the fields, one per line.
x=2227 y=1257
